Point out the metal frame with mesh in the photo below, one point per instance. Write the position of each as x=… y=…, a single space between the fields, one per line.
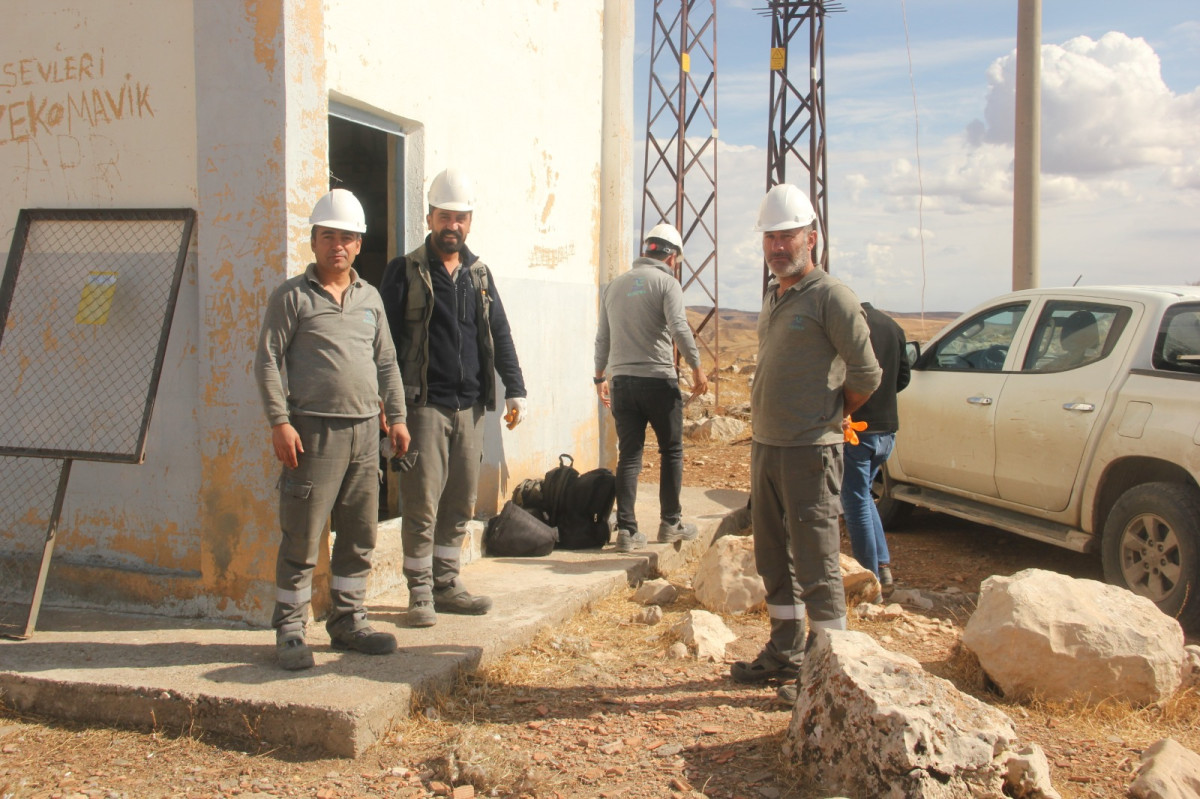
x=86 y=306
x=33 y=490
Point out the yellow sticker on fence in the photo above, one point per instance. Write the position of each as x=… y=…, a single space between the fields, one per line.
x=778 y=57
x=96 y=300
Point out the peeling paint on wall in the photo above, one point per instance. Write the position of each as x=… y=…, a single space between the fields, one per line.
x=266 y=17
x=550 y=257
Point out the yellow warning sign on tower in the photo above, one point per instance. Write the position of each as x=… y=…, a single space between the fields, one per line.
x=96 y=300
x=778 y=57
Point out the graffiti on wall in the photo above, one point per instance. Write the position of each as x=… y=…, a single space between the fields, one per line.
x=54 y=108
x=66 y=95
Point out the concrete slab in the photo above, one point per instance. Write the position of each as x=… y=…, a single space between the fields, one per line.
x=146 y=671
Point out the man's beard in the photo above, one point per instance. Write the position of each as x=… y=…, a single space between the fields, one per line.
x=448 y=242
x=794 y=266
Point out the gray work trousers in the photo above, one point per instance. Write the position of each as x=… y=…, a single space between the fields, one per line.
x=438 y=494
x=337 y=475
x=794 y=507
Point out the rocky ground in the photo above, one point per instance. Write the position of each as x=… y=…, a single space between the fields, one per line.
x=598 y=708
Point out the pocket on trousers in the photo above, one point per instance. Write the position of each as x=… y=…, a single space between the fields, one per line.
x=833 y=471
x=297 y=489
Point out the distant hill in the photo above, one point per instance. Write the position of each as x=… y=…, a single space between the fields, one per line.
x=739 y=329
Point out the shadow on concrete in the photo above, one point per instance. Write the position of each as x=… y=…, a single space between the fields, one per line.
x=148 y=671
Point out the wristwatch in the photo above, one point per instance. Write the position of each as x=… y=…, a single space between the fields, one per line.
x=598 y=380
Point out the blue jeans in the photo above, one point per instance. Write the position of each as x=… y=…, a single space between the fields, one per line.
x=862 y=462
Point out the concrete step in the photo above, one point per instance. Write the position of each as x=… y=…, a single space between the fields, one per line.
x=146 y=671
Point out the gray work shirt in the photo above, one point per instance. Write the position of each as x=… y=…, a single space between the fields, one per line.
x=812 y=342
x=338 y=360
x=641 y=313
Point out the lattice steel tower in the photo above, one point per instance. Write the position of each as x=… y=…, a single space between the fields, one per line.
x=680 y=184
x=797 y=110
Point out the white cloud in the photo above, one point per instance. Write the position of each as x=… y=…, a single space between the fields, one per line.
x=1105 y=108
x=940 y=238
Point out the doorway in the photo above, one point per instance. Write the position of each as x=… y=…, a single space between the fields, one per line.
x=364 y=153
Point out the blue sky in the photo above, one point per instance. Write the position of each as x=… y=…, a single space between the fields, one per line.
x=1120 y=156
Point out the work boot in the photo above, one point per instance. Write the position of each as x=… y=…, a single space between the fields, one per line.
x=761 y=669
x=456 y=599
x=886 y=584
x=679 y=531
x=421 y=613
x=628 y=542
x=364 y=639
x=787 y=694
x=292 y=653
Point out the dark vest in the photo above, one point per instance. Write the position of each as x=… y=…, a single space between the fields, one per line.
x=418 y=310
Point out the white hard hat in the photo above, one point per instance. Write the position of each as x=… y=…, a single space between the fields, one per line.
x=664 y=233
x=339 y=209
x=452 y=191
x=785 y=207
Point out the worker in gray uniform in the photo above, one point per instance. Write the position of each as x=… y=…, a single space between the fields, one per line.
x=453 y=337
x=815 y=366
x=641 y=314
x=326 y=329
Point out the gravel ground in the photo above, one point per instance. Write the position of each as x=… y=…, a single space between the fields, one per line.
x=599 y=708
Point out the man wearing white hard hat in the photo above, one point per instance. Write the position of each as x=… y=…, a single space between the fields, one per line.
x=327 y=330
x=452 y=336
x=815 y=367
x=641 y=314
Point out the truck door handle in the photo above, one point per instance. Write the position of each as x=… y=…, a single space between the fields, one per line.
x=1084 y=407
x=979 y=400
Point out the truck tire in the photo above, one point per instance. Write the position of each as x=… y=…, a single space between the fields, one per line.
x=892 y=512
x=1151 y=545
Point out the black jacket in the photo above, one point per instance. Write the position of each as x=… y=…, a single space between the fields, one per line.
x=887 y=339
x=450 y=344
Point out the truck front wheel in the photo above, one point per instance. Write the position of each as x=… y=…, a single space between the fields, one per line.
x=1151 y=546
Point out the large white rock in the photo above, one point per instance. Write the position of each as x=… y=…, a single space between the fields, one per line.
x=1027 y=774
x=869 y=722
x=655 y=592
x=717 y=428
x=726 y=579
x=1168 y=771
x=1191 y=666
x=705 y=633
x=1039 y=633
x=860 y=583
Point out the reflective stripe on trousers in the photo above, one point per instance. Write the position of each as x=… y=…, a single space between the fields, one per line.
x=337 y=476
x=794 y=509
x=438 y=493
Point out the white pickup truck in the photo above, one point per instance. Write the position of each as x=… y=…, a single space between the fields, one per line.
x=1071 y=416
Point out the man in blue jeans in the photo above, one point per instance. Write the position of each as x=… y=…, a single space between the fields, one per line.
x=640 y=315
x=864 y=459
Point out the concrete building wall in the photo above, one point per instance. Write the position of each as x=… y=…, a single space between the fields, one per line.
x=510 y=92
x=222 y=106
x=99 y=111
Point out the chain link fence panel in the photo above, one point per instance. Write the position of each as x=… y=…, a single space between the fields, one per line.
x=85 y=308
x=32 y=490
x=86 y=305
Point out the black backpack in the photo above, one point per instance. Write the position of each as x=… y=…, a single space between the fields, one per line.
x=584 y=523
x=577 y=505
x=516 y=533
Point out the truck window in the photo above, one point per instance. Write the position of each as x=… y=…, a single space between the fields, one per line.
x=980 y=343
x=1073 y=334
x=1177 y=347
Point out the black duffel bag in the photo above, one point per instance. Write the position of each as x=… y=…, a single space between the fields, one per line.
x=516 y=533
